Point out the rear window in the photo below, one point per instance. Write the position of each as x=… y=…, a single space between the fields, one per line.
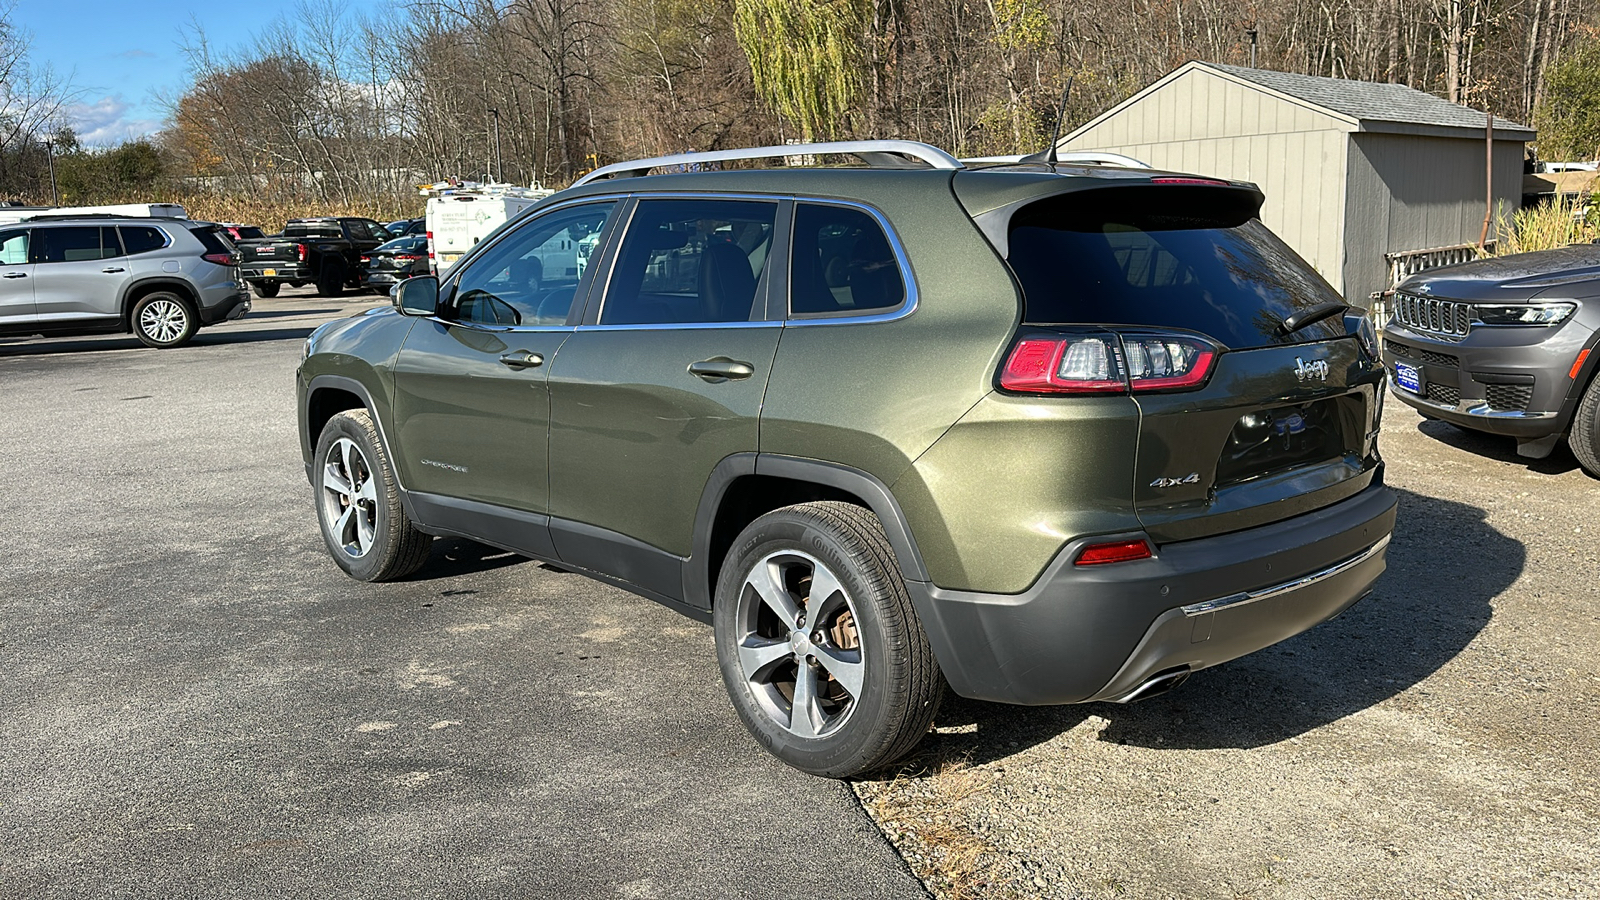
x=214 y=239
x=321 y=229
x=142 y=238
x=1188 y=258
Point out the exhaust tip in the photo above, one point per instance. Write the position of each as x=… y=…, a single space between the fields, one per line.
x=1156 y=684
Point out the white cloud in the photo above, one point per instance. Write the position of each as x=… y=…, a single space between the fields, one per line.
x=106 y=122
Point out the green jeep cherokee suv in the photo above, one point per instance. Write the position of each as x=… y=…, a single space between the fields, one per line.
x=1052 y=433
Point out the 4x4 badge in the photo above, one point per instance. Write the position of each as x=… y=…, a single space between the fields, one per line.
x=1305 y=371
x=1191 y=478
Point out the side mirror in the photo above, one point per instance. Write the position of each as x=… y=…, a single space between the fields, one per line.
x=418 y=296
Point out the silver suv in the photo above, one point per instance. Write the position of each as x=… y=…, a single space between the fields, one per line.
x=159 y=278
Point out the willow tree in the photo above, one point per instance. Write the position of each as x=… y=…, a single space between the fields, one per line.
x=806 y=57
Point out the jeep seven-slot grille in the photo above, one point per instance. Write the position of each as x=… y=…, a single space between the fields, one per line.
x=1508 y=397
x=1443 y=393
x=1444 y=360
x=1444 y=318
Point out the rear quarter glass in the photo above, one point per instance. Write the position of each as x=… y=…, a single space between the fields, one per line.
x=1165 y=258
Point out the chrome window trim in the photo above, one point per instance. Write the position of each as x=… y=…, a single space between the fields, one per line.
x=908 y=304
x=1246 y=597
x=642 y=196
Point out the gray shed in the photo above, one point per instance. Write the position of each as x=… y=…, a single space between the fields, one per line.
x=1360 y=178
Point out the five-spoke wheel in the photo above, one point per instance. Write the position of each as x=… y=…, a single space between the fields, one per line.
x=822 y=654
x=363 y=519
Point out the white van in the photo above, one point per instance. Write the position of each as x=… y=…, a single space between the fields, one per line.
x=460 y=215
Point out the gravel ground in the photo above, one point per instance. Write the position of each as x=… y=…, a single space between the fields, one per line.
x=1437 y=741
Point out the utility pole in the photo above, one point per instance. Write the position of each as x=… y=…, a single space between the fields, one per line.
x=499 y=174
x=50 y=156
x=1252 y=35
x=1488 y=165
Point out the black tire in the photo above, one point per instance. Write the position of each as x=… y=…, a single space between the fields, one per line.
x=1584 y=438
x=266 y=289
x=900 y=684
x=331 y=282
x=163 y=319
x=355 y=487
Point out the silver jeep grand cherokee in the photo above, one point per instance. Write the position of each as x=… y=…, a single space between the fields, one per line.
x=1505 y=345
x=159 y=278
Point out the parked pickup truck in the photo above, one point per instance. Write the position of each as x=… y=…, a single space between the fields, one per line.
x=325 y=252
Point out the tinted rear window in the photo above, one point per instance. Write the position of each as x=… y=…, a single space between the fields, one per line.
x=294 y=229
x=214 y=238
x=75 y=244
x=1185 y=259
x=142 y=238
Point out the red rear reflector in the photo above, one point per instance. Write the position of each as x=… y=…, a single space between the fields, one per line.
x=1578 y=365
x=1113 y=552
x=1170 y=179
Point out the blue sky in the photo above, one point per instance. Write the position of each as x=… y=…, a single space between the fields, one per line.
x=124 y=55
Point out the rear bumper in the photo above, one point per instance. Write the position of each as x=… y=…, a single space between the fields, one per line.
x=258 y=272
x=233 y=307
x=1098 y=633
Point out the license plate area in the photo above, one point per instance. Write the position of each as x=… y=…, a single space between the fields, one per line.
x=1407 y=378
x=269 y=272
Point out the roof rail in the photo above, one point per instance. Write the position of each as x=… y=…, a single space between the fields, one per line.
x=885 y=154
x=61 y=216
x=1090 y=157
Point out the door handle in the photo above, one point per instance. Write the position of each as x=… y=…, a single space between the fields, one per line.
x=16 y=275
x=522 y=359
x=721 y=368
x=113 y=270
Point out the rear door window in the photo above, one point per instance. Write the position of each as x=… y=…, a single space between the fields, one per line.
x=1163 y=257
x=691 y=262
x=841 y=263
x=75 y=244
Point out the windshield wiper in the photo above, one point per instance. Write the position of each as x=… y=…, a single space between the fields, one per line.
x=1307 y=316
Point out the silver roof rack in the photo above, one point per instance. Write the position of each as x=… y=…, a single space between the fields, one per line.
x=885 y=154
x=1090 y=157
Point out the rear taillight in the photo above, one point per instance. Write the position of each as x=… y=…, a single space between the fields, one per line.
x=221 y=259
x=302 y=249
x=430 y=245
x=1189 y=179
x=1113 y=552
x=407 y=257
x=366 y=259
x=1106 y=362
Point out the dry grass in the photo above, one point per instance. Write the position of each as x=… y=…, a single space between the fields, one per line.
x=271 y=212
x=920 y=810
x=1547 y=227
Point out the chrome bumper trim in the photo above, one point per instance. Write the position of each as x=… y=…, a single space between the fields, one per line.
x=1277 y=590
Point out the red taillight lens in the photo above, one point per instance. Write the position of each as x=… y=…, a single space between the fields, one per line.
x=221 y=259
x=1113 y=552
x=430 y=244
x=407 y=257
x=1107 y=362
x=1068 y=365
x=366 y=259
x=302 y=249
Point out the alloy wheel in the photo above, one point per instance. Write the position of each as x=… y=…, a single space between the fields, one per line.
x=799 y=648
x=163 y=320
x=349 y=498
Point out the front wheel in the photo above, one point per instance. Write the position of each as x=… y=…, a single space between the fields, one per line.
x=163 y=320
x=363 y=521
x=822 y=654
x=1584 y=439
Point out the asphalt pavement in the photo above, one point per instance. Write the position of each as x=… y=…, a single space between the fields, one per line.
x=195 y=702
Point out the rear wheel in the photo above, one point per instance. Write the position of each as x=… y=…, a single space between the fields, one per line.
x=163 y=319
x=358 y=503
x=825 y=661
x=1584 y=439
x=267 y=289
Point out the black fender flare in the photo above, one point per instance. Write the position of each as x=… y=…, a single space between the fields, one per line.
x=350 y=386
x=158 y=282
x=873 y=492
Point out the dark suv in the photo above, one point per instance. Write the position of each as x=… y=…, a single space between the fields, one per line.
x=1507 y=346
x=159 y=278
x=1052 y=433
